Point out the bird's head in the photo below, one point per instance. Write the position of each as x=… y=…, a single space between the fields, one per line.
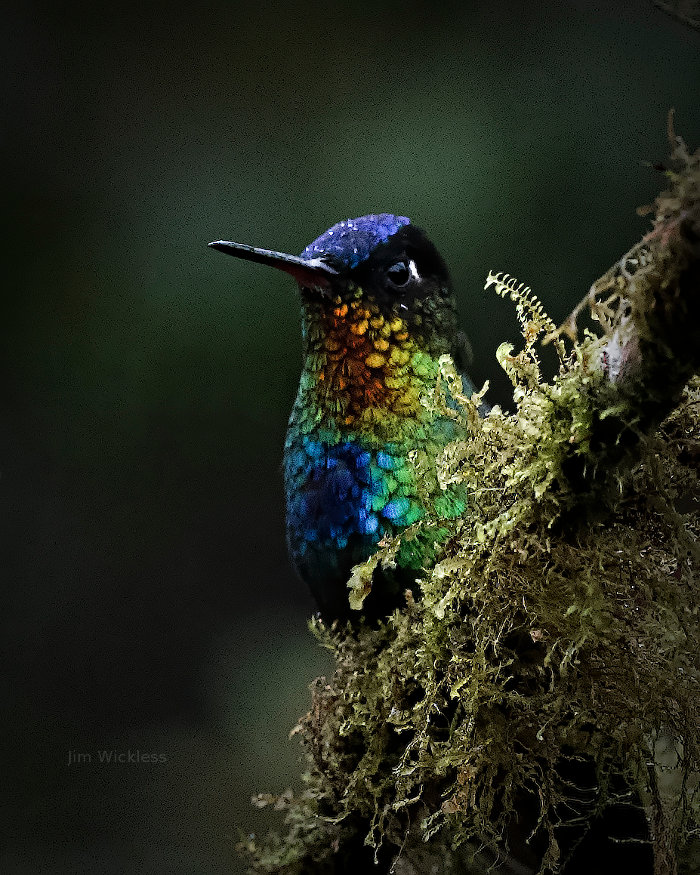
x=379 y=267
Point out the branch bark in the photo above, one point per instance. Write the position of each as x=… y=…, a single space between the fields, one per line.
x=650 y=303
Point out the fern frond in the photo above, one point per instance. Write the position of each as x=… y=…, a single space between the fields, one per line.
x=533 y=318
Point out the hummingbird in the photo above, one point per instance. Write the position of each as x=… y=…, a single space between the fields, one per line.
x=377 y=313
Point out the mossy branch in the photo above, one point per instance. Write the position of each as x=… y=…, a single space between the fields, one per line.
x=648 y=305
x=544 y=691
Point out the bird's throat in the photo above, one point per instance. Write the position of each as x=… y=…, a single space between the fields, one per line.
x=365 y=371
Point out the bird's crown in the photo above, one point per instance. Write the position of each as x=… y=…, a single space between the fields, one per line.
x=350 y=242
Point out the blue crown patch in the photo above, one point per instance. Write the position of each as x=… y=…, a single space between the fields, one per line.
x=351 y=242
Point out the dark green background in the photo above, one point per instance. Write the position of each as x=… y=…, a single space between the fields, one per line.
x=146 y=380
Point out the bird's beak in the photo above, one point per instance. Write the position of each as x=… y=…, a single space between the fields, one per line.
x=310 y=272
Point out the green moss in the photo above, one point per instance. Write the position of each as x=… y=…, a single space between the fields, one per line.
x=527 y=644
x=537 y=644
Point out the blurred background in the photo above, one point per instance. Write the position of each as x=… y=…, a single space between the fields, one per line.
x=149 y=607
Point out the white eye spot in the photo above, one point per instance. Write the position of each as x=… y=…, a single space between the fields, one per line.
x=413 y=270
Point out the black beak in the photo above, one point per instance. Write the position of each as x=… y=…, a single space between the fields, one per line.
x=312 y=272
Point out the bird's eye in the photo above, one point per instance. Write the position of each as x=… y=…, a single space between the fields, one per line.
x=398 y=273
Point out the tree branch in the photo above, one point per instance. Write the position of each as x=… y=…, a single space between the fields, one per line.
x=520 y=714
